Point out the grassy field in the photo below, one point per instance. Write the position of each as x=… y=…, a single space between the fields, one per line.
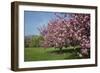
x=39 y=54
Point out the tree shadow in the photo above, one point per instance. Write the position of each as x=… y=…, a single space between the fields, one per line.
x=70 y=53
x=73 y=56
x=57 y=51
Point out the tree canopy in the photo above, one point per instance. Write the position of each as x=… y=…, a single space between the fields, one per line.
x=67 y=29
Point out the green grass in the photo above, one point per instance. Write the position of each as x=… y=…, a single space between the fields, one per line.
x=39 y=54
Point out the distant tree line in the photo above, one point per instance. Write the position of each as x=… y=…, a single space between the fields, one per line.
x=33 y=41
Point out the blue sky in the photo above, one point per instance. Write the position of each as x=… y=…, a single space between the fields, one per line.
x=34 y=19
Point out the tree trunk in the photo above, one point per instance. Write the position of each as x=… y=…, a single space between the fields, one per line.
x=60 y=49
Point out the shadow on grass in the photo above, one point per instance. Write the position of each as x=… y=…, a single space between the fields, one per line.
x=70 y=53
x=73 y=56
x=57 y=51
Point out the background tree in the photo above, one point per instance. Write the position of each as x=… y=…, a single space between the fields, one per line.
x=33 y=41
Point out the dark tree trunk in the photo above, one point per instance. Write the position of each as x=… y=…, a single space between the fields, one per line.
x=60 y=49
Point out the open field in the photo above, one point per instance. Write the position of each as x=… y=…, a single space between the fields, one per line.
x=40 y=54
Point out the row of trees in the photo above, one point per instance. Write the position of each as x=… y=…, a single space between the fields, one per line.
x=67 y=29
x=33 y=41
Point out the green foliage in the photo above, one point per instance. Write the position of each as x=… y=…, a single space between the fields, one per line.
x=34 y=41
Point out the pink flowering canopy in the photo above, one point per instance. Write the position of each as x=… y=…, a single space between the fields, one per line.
x=67 y=29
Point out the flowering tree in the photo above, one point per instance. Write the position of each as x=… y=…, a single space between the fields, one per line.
x=68 y=29
x=81 y=28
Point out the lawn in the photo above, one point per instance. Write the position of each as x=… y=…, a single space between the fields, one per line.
x=39 y=54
